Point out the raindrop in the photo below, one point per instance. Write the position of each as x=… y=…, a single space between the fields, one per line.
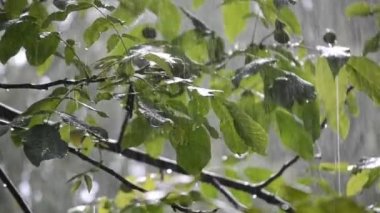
x=7 y=90
x=4 y=185
x=12 y=129
x=86 y=134
x=307 y=101
x=86 y=49
x=254 y=196
x=169 y=171
x=224 y=157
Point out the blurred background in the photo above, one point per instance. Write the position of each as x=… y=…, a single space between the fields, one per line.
x=45 y=187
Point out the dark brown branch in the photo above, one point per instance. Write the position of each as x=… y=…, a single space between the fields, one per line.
x=279 y=173
x=180 y=208
x=65 y=82
x=228 y=196
x=164 y=163
x=12 y=189
x=106 y=169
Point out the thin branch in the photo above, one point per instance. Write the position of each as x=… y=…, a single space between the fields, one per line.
x=129 y=112
x=228 y=196
x=180 y=208
x=106 y=169
x=12 y=189
x=164 y=163
x=279 y=173
x=46 y=86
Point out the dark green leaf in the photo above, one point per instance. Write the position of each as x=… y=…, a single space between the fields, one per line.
x=198 y=107
x=100 y=4
x=47 y=104
x=372 y=45
x=88 y=181
x=14 y=38
x=233 y=18
x=293 y=134
x=309 y=113
x=42 y=48
x=112 y=42
x=59 y=91
x=43 y=142
x=62 y=15
x=153 y=115
x=15 y=7
x=200 y=27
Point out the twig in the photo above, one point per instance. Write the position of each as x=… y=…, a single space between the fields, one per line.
x=12 y=189
x=228 y=196
x=106 y=169
x=46 y=86
x=180 y=208
x=129 y=112
x=279 y=173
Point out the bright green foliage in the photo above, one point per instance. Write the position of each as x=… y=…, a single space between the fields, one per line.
x=233 y=18
x=180 y=86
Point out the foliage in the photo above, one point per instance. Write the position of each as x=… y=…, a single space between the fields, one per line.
x=173 y=83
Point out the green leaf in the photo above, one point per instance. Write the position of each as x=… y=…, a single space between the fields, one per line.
x=14 y=38
x=249 y=130
x=14 y=8
x=233 y=18
x=198 y=107
x=47 y=104
x=365 y=76
x=326 y=89
x=38 y=11
x=39 y=50
x=372 y=45
x=133 y=136
x=169 y=19
x=152 y=115
x=62 y=15
x=190 y=141
x=330 y=204
x=88 y=181
x=163 y=60
x=360 y=8
x=287 y=16
x=309 y=113
x=193 y=45
x=252 y=68
x=154 y=145
x=231 y=138
x=75 y=186
x=293 y=135
x=93 y=32
x=44 y=67
x=198 y=3
x=43 y=142
x=112 y=42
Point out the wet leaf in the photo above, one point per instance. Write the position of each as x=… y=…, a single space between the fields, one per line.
x=293 y=134
x=153 y=115
x=336 y=57
x=252 y=68
x=62 y=15
x=198 y=24
x=47 y=104
x=230 y=136
x=133 y=136
x=253 y=135
x=203 y=91
x=360 y=8
x=167 y=12
x=365 y=75
x=40 y=49
x=43 y=142
x=287 y=16
x=14 y=7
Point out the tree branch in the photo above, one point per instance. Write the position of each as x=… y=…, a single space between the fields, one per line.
x=65 y=82
x=164 y=163
x=106 y=169
x=129 y=112
x=228 y=196
x=12 y=189
x=279 y=173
